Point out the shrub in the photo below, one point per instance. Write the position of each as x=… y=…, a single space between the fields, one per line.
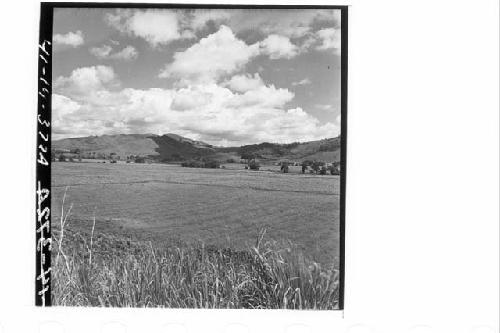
x=201 y=164
x=213 y=164
x=253 y=165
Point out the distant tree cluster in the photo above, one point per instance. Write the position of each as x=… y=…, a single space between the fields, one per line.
x=258 y=150
x=253 y=165
x=203 y=163
x=330 y=145
x=320 y=167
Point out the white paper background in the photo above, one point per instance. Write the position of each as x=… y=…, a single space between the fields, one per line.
x=422 y=242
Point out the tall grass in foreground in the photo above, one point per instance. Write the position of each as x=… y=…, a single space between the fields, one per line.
x=105 y=270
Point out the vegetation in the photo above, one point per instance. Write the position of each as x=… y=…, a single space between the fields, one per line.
x=253 y=165
x=170 y=204
x=103 y=270
x=140 y=159
x=211 y=164
x=175 y=148
x=284 y=167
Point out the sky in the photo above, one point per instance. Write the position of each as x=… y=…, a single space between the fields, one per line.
x=223 y=76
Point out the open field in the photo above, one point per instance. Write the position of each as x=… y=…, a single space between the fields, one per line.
x=228 y=208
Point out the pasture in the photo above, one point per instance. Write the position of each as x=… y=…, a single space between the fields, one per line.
x=218 y=207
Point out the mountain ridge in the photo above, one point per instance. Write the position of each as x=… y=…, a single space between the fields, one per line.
x=172 y=147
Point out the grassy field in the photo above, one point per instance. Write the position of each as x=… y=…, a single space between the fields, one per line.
x=150 y=218
x=115 y=271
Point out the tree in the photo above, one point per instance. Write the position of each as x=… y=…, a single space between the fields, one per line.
x=247 y=156
x=316 y=165
x=284 y=167
x=253 y=165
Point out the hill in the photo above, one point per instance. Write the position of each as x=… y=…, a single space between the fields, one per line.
x=172 y=147
x=122 y=145
x=323 y=150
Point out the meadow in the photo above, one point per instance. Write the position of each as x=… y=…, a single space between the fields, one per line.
x=232 y=233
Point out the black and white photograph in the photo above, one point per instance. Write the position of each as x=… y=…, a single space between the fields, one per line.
x=196 y=157
x=250 y=166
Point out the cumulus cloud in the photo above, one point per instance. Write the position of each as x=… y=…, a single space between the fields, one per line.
x=221 y=54
x=201 y=17
x=329 y=39
x=162 y=26
x=218 y=54
x=241 y=110
x=87 y=83
x=62 y=107
x=157 y=26
x=106 y=52
x=302 y=82
x=244 y=82
x=262 y=96
x=289 y=22
x=277 y=46
x=191 y=98
x=102 y=51
x=73 y=39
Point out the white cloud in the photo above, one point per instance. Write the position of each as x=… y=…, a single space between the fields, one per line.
x=86 y=81
x=105 y=52
x=288 y=22
x=157 y=26
x=219 y=54
x=190 y=98
x=302 y=82
x=308 y=42
x=243 y=83
x=239 y=111
x=63 y=107
x=101 y=52
x=263 y=96
x=330 y=39
x=162 y=26
x=127 y=53
x=73 y=39
x=298 y=124
x=201 y=17
x=277 y=46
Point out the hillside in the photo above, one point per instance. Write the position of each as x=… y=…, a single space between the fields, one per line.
x=122 y=145
x=172 y=147
x=324 y=150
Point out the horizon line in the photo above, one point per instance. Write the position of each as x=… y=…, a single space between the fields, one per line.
x=160 y=135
